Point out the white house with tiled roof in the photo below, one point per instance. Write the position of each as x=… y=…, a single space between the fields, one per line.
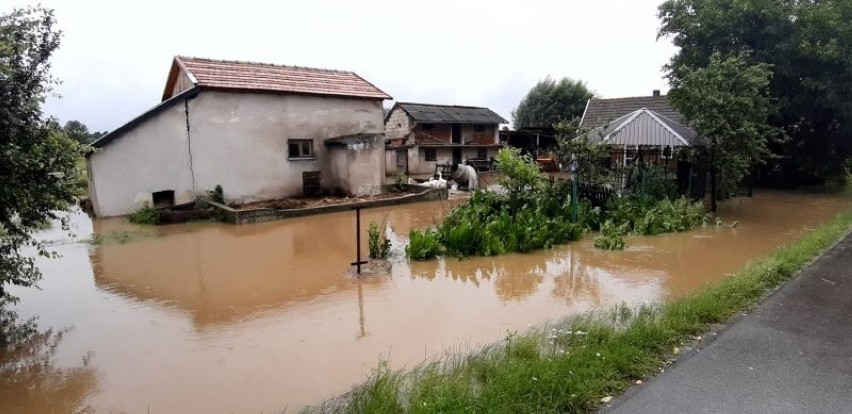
x=261 y=131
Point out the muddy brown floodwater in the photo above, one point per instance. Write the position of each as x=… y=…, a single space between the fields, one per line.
x=210 y=318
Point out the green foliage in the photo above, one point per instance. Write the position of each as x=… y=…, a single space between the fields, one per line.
x=378 y=244
x=400 y=182
x=144 y=215
x=493 y=224
x=728 y=104
x=519 y=172
x=37 y=161
x=808 y=47
x=569 y=366
x=651 y=181
x=79 y=132
x=217 y=195
x=579 y=149
x=423 y=245
x=612 y=236
x=80 y=185
x=550 y=102
x=647 y=216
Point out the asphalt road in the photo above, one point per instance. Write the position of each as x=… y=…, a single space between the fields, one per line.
x=793 y=354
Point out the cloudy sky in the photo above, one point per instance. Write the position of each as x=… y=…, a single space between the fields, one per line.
x=115 y=55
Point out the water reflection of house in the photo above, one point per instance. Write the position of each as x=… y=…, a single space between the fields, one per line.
x=218 y=274
x=420 y=136
x=261 y=131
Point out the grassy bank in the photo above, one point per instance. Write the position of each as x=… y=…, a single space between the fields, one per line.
x=570 y=366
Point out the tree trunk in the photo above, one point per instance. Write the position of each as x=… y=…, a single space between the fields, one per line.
x=713 y=188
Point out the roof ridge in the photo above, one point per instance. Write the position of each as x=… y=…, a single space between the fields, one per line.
x=627 y=97
x=447 y=106
x=673 y=121
x=274 y=65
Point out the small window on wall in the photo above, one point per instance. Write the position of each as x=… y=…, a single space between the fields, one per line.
x=300 y=149
x=431 y=154
x=482 y=153
x=479 y=128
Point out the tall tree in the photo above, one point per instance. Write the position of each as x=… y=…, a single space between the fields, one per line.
x=550 y=102
x=808 y=44
x=728 y=104
x=37 y=162
x=77 y=131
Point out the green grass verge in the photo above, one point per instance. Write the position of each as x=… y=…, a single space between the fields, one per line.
x=569 y=366
x=121 y=237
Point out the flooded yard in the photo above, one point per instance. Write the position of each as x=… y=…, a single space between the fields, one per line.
x=210 y=318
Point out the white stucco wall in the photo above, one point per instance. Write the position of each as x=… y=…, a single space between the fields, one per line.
x=151 y=157
x=239 y=140
x=364 y=161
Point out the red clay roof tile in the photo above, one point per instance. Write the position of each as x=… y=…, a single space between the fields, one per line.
x=222 y=74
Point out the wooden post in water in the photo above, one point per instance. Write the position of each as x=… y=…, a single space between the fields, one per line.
x=358 y=262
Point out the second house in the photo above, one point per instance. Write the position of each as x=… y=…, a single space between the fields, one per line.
x=421 y=136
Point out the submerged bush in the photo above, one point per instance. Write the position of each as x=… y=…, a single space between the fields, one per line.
x=644 y=215
x=144 y=215
x=423 y=245
x=493 y=224
x=647 y=216
x=611 y=237
x=379 y=246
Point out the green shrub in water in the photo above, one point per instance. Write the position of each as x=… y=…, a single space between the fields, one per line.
x=379 y=246
x=423 y=245
x=144 y=215
x=611 y=237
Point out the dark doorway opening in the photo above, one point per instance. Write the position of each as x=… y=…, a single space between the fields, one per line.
x=402 y=161
x=163 y=199
x=457 y=156
x=457 y=134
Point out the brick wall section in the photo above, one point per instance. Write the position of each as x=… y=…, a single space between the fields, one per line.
x=440 y=134
x=398 y=125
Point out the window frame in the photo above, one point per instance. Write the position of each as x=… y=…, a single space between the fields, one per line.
x=433 y=152
x=301 y=146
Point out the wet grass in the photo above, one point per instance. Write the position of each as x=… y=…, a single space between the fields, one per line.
x=569 y=366
x=121 y=237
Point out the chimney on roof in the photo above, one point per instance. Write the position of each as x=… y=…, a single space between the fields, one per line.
x=656 y=92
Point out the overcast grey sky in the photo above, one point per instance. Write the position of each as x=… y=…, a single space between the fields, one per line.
x=115 y=55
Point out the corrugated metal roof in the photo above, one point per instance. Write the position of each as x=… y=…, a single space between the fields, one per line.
x=645 y=127
x=252 y=76
x=600 y=111
x=450 y=114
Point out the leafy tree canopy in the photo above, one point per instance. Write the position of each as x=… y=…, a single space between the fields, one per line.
x=728 y=103
x=551 y=101
x=37 y=161
x=809 y=47
x=79 y=132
